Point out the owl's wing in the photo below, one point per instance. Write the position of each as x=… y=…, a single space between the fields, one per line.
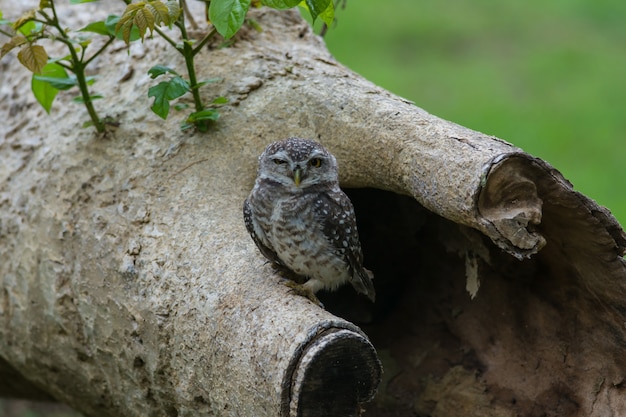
x=249 y=221
x=336 y=213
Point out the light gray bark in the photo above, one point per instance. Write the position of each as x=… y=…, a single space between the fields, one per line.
x=130 y=286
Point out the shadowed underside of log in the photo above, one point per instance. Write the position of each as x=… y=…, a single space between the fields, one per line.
x=129 y=285
x=14 y=385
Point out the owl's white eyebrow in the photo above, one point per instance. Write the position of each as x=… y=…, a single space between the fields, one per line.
x=281 y=154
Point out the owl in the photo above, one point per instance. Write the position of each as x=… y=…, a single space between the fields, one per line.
x=301 y=220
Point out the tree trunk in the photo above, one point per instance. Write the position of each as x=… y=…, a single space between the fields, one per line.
x=130 y=286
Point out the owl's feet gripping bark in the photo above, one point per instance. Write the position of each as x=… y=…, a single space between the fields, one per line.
x=287 y=273
x=296 y=283
x=304 y=291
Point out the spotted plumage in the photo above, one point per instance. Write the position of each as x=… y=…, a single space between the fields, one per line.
x=301 y=220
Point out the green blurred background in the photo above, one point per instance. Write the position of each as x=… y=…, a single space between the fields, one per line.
x=547 y=76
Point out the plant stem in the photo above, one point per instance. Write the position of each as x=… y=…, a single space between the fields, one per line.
x=79 y=71
x=191 y=71
x=78 y=68
x=99 y=51
x=204 y=41
x=164 y=36
x=188 y=14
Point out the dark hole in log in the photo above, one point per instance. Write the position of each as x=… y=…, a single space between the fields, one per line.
x=419 y=284
x=529 y=343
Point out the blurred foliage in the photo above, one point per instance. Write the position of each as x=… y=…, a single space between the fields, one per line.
x=545 y=76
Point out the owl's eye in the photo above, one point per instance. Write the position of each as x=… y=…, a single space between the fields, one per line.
x=279 y=161
x=315 y=162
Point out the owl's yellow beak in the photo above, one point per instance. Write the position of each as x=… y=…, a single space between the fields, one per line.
x=297 y=176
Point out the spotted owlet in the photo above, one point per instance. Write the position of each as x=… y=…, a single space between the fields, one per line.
x=301 y=220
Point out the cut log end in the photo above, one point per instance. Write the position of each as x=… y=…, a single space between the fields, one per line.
x=336 y=373
x=511 y=204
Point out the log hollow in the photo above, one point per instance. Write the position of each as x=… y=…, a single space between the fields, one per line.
x=129 y=285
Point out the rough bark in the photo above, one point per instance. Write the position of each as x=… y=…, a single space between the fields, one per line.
x=130 y=287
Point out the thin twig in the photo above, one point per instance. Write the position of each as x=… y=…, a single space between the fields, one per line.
x=187 y=12
x=180 y=171
x=164 y=36
x=99 y=51
x=204 y=41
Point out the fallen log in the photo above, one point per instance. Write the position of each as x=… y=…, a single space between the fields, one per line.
x=130 y=286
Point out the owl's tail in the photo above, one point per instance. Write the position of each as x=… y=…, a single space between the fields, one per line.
x=362 y=282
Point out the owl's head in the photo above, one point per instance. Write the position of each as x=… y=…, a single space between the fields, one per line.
x=298 y=163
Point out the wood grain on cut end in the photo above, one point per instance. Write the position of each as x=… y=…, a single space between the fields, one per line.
x=336 y=373
x=510 y=202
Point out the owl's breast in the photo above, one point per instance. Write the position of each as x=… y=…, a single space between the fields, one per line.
x=292 y=222
x=298 y=239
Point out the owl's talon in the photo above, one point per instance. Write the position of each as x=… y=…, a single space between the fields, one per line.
x=288 y=274
x=303 y=291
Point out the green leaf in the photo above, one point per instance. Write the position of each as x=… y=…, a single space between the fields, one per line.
x=157 y=70
x=166 y=13
x=63 y=82
x=146 y=18
x=83 y=42
x=328 y=15
x=255 y=25
x=206 y=114
x=98 y=27
x=145 y=15
x=160 y=11
x=111 y=23
x=200 y=119
x=220 y=100
x=174 y=11
x=228 y=15
x=280 y=4
x=67 y=58
x=317 y=7
x=165 y=91
x=125 y=24
x=207 y=81
x=29 y=27
x=45 y=92
x=80 y=99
